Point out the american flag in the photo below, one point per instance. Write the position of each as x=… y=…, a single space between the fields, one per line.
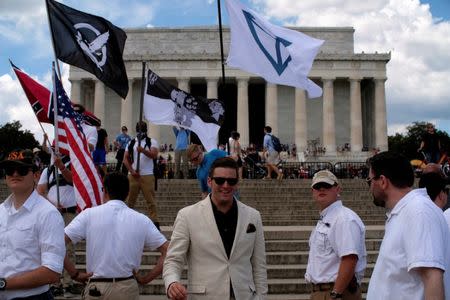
x=72 y=142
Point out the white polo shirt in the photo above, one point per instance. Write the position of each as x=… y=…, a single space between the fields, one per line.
x=145 y=163
x=416 y=235
x=339 y=232
x=30 y=237
x=66 y=192
x=115 y=238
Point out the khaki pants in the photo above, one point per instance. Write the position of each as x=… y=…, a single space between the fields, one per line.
x=325 y=295
x=146 y=184
x=181 y=155
x=119 y=290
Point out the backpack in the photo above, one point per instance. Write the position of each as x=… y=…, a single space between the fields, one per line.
x=276 y=143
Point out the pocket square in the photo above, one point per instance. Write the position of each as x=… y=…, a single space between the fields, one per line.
x=251 y=228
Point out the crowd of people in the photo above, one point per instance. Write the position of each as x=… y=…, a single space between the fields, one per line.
x=220 y=238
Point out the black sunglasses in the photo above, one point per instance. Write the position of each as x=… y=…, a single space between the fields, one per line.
x=369 y=179
x=221 y=180
x=21 y=170
x=322 y=185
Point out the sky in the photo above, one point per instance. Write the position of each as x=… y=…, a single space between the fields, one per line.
x=415 y=32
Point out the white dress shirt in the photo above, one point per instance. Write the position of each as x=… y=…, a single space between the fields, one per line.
x=115 y=238
x=416 y=235
x=66 y=192
x=30 y=237
x=339 y=232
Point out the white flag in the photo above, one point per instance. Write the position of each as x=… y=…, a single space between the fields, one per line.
x=279 y=55
x=165 y=104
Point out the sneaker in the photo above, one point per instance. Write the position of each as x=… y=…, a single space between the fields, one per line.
x=73 y=290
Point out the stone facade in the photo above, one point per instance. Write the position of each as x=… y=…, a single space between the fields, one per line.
x=351 y=111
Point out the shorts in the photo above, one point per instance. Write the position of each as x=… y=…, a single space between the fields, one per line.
x=273 y=158
x=99 y=156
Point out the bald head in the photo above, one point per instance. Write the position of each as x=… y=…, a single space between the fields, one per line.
x=432 y=168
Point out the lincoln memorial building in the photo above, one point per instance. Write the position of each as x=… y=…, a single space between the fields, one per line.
x=351 y=113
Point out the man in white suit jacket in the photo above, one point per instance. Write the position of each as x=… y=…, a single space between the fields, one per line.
x=222 y=240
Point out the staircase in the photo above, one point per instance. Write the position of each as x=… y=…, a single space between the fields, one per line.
x=288 y=213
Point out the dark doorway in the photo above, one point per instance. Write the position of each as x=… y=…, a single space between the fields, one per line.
x=257 y=115
x=229 y=98
x=197 y=89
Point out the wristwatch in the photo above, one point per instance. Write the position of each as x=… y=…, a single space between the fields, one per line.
x=2 y=284
x=335 y=295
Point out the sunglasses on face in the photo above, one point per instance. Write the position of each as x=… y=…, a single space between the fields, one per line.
x=369 y=180
x=221 y=180
x=322 y=185
x=21 y=170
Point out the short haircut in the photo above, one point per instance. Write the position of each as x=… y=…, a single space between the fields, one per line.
x=235 y=135
x=117 y=186
x=433 y=182
x=268 y=129
x=192 y=148
x=393 y=166
x=224 y=162
x=141 y=126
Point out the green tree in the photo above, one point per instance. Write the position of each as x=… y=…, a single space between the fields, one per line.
x=408 y=143
x=13 y=137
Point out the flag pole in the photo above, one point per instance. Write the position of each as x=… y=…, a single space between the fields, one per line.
x=53 y=42
x=141 y=109
x=221 y=43
x=56 y=152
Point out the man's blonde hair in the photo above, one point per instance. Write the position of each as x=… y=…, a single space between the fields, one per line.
x=192 y=149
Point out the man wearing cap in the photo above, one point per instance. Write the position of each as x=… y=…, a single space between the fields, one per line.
x=121 y=143
x=113 y=258
x=31 y=234
x=337 y=255
x=414 y=253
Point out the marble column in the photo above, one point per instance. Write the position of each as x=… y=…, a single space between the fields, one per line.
x=381 y=141
x=329 y=132
x=211 y=88
x=75 y=94
x=99 y=101
x=183 y=84
x=242 y=111
x=126 y=116
x=355 y=115
x=272 y=107
x=301 y=126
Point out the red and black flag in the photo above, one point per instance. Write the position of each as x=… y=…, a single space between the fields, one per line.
x=91 y=43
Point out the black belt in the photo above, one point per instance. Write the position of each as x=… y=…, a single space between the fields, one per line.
x=110 y=279
x=70 y=210
x=322 y=286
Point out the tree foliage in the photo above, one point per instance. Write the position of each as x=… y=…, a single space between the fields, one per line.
x=408 y=143
x=13 y=137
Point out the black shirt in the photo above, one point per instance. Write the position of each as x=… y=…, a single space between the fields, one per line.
x=226 y=223
x=101 y=139
x=431 y=142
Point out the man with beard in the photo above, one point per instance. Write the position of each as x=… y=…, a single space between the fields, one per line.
x=414 y=253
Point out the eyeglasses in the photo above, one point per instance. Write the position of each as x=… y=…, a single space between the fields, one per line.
x=369 y=179
x=322 y=185
x=21 y=170
x=196 y=158
x=221 y=180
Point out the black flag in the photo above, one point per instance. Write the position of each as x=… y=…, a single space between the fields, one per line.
x=91 y=43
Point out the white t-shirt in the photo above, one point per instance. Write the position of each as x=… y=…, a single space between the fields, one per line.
x=115 y=238
x=145 y=163
x=91 y=133
x=66 y=192
x=416 y=235
x=338 y=233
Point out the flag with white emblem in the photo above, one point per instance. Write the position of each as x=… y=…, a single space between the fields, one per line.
x=91 y=43
x=165 y=104
x=279 y=55
x=86 y=180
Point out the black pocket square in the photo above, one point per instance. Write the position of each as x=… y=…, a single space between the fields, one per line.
x=251 y=228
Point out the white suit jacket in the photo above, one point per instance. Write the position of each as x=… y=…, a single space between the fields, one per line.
x=196 y=240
